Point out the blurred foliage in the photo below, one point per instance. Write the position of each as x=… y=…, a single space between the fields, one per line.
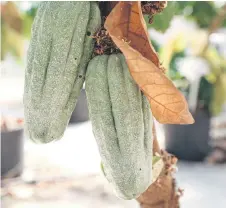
x=15 y=26
x=155 y=45
x=162 y=20
x=217 y=78
x=202 y=12
x=11 y=42
x=28 y=18
x=11 y=26
x=11 y=16
x=205 y=95
x=27 y=23
x=212 y=89
x=173 y=73
x=172 y=48
x=219 y=95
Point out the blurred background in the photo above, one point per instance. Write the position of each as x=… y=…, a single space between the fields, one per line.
x=190 y=38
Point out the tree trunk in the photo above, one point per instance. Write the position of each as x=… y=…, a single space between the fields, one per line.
x=163 y=192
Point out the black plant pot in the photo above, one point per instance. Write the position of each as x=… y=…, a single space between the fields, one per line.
x=81 y=112
x=12 y=146
x=189 y=142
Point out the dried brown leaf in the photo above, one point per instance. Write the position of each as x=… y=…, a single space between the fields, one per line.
x=127 y=29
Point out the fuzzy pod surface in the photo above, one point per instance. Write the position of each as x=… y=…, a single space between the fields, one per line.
x=122 y=123
x=60 y=48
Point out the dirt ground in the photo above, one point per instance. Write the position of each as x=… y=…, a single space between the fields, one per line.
x=66 y=174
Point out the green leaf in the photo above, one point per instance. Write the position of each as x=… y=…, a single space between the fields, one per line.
x=155 y=159
x=204 y=12
x=102 y=168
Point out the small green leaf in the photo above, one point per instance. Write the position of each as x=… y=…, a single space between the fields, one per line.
x=155 y=159
x=102 y=168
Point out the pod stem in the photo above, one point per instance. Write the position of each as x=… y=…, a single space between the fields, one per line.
x=163 y=192
x=103 y=42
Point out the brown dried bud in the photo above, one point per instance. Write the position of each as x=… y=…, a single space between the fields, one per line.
x=152 y=7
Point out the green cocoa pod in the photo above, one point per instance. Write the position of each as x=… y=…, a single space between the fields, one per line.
x=60 y=49
x=122 y=123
